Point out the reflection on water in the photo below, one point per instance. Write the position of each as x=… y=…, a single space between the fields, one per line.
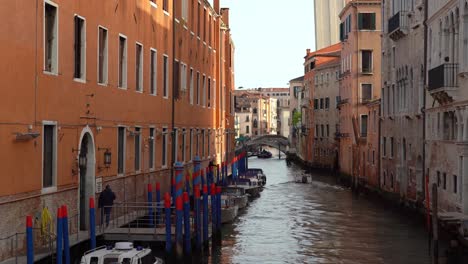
x=317 y=223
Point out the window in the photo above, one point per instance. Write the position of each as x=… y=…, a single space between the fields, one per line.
x=204 y=24
x=49 y=155
x=139 y=67
x=366 y=21
x=455 y=184
x=184 y=144
x=165 y=76
x=445 y=180
x=164 y=147
x=137 y=148
x=185 y=10
x=203 y=143
x=391 y=147
x=209 y=142
x=366 y=63
x=198 y=88
x=122 y=61
x=247 y=130
x=121 y=151
x=197 y=145
x=153 y=72
x=209 y=92
x=183 y=76
x=191 y=86
x=366 y=92
x=316 y=104
x=364 y=119
x=191 y=144
x=204 y=91
x=198 y=20
x=321 y=103
x=176 y=81
x=166 y=5
x=80 y=48
x=327 y=103
x=151 y=148
x=50 y=38
x=322 y=130
x=373 y=157
x=384 y=147
x=328 y=130
x=176 y=143
x=103 y=56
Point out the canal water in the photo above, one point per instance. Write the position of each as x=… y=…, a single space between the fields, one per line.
x=320 y=222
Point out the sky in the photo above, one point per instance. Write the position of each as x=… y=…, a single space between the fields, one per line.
x=270 y=38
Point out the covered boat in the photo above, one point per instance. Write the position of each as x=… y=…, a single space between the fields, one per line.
x=121 y=253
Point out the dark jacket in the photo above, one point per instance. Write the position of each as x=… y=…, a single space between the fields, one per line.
x=106 y=198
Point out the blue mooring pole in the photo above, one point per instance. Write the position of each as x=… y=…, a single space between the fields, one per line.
x=218 y=209
x=196 y=178
x=59 y=242
x=66 y=239
x=150 y=204
x=29 y=240
x=213 y=210
x=167 y=208
x=179 y=219
x=197 y=217
x=158 y=204
x=92 y=223
x=187 y=237
x=205 y=214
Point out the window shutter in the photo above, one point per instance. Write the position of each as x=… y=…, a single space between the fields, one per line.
x=176 y=79
x=372 y=21
x=77 y=47
x=341 y=32
x=360 y=21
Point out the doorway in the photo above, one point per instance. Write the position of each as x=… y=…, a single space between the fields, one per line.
x=87 y=177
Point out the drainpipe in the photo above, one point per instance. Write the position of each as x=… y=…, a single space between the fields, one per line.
x=357 y=96
x=174 y=78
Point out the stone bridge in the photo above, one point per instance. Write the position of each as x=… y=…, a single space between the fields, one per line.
x=274 y=141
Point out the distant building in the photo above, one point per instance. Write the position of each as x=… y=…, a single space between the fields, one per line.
x=327 y=22
x=360 y=89
x=256 y=114
x=322 y=69
x=402 y=100
x=296 y=87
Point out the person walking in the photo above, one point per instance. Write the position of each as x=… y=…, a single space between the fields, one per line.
x=106 y=201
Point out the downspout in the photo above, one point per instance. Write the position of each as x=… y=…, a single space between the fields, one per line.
x=174 y=78
x=357 y=98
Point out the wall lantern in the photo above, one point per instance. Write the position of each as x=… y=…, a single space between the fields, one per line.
x=82 y=160
x=107 y=158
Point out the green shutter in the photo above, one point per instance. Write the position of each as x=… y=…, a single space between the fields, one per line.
x=373 y=21
x=360 y=21
x=341 y=32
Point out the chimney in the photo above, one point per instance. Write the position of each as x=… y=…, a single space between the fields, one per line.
x=308 y=51
x=216 y=6
x=225 y=16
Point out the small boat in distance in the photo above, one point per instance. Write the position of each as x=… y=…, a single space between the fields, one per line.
x=264 y=154
x=121 y=253
x=303 y=178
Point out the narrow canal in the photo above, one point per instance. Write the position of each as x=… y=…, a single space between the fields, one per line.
x=320 y=222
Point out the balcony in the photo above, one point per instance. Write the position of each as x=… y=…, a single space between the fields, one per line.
x=443 y=82
x=398 y=25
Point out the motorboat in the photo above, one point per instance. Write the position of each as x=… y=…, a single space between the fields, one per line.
x=238 y=195
x=264 y=155
x=256 y=174
x=120 y=253
x=303 y=178
x=229 y=210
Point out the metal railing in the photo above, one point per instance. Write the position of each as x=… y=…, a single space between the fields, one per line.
x=398 y=23
x=443 y=76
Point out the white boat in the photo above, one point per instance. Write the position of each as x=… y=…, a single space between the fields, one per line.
x=229 y=211
x=121 y=253
x=303 y=178
x=238 y=196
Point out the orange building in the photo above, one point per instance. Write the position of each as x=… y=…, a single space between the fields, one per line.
x=321 y=76
x=360 y=90
x=108 y=92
